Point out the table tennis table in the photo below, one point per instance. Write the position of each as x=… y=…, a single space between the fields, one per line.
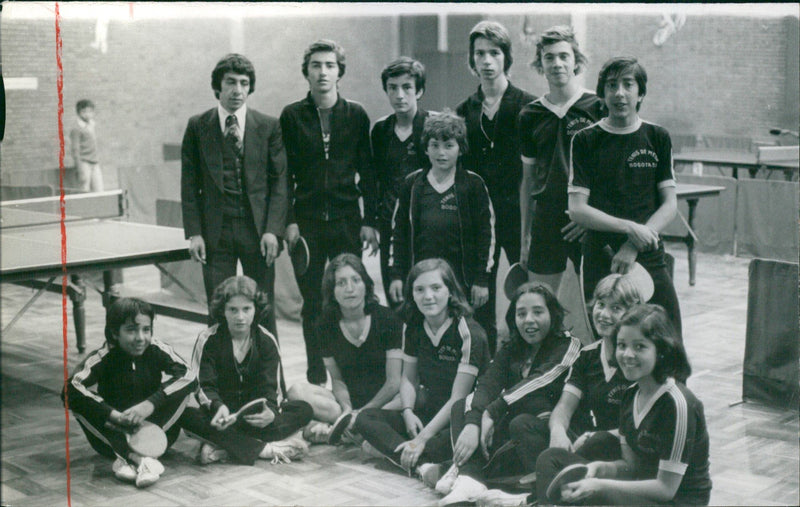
x=735 y=160
x=691 y=193
x=31 y=244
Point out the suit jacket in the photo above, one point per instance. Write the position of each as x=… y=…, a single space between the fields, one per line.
x=264 y=172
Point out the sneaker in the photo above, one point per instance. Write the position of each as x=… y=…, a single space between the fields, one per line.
x=370 y=450
x=148 y=472
x=429 y=473
x=317 y=432
x=465 y=489
x=499 y=498
x=209 y=454
x=123 y=470
x=339 y=428
x=283 y=451
x=445 y=484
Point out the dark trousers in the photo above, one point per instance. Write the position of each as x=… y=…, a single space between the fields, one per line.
x=239 y=241
x=112 y=443
x=597 y=265
x=243 y=441
x=325 y=241
x=385 y=230
x=602 y=446
x=386 y=429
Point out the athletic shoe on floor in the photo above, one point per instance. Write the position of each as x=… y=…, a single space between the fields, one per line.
x=123 y=470
x=465 y=489
x=338 y=428
x=317 y=432
x=209 y=454
x=429 y=473
x=148 y=472
x=499 y=498
x=283 y=451
x=445 y=484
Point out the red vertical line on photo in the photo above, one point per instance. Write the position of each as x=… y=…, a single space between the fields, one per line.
x=130 y=9
x=64 y=321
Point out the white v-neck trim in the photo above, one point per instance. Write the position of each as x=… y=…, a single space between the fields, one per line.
x=443 y=186
x=359 y=341
x=638 y=416
x=436 y=338
x=608 y=370
x=561 y=111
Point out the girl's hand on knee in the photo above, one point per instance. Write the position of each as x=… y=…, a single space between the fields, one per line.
x=222 y=419
x=261 y=419
x=467 y=444
x=138 y=413
x=560 y=440
x=487 y=433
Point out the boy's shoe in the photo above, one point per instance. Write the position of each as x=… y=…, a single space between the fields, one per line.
x=209 y=454
x=148 y=472
x=429 y=473
x=465 y=489
x=283 y=451
x=317 y=432
x=445 y=484
x=123 y=470
x=499 y=498
x=338 y=428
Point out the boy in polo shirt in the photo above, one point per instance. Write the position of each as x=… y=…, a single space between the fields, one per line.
x=622 y=186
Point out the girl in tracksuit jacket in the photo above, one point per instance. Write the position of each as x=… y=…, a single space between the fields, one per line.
x=445 y=212
x=128 y=371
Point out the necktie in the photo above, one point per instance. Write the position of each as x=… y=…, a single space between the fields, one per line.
x=232 y=134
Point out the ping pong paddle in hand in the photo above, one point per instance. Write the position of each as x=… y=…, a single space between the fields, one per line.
x=252 y=407
x=147 y=439
x=569 y=474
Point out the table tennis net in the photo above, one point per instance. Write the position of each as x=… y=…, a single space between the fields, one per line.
x=47 y=210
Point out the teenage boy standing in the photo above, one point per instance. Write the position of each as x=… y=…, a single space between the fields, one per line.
x=546 y=128
x=396 y=147
x=491 y=117
x=622 y=186
x=327 y=145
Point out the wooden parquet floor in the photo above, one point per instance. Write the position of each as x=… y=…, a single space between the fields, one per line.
x=754 y=449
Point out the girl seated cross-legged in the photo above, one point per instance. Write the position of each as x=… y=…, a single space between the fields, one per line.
x=139 y=378
x=238 y=361
x=663 y=435
x=360 y=349
x=444 y=351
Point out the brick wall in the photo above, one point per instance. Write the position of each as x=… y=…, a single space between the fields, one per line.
x=718 y=75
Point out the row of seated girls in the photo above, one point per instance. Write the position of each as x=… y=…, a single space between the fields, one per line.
x=418 y=388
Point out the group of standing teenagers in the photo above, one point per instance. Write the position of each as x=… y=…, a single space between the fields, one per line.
x=544 y=179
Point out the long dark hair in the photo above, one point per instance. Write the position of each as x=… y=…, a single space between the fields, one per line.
x=555 y=309
x=330 y=307
x=654 y=324
x=457 y=306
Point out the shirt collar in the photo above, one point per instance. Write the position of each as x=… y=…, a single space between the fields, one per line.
x=608 y=370
x=436 y=337
x=561 y=111
x=605 y=125
x=241 y=116
x=85 y=124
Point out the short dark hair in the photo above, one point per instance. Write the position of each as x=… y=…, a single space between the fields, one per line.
x=121 y=311
x=83 y=104
x=330 y=307
x=655 y=325
x=554 y=35
x=237 y=64
x=617 y=66
x=444 y=126
x=457 y=306
x=324 y=46
x=402 y=66
x=237 y=286
x=495 y=33
x=557 y=312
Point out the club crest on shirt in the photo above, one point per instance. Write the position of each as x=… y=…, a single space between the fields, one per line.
x=643 y=159
x=448 y=353
x=614 y=396
x=446 y=204
x=576 y=125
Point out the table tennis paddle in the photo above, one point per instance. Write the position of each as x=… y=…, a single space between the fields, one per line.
x=299 y=255
x=146 y=440
x=516 y=276
x=251 y=407
x=571 y=473
x=639 y=276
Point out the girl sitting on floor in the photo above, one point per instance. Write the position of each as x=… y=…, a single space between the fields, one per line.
x=663 y=435
x=360 y=348
x=444 y=351
x=139 y=378
x=239 y=361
